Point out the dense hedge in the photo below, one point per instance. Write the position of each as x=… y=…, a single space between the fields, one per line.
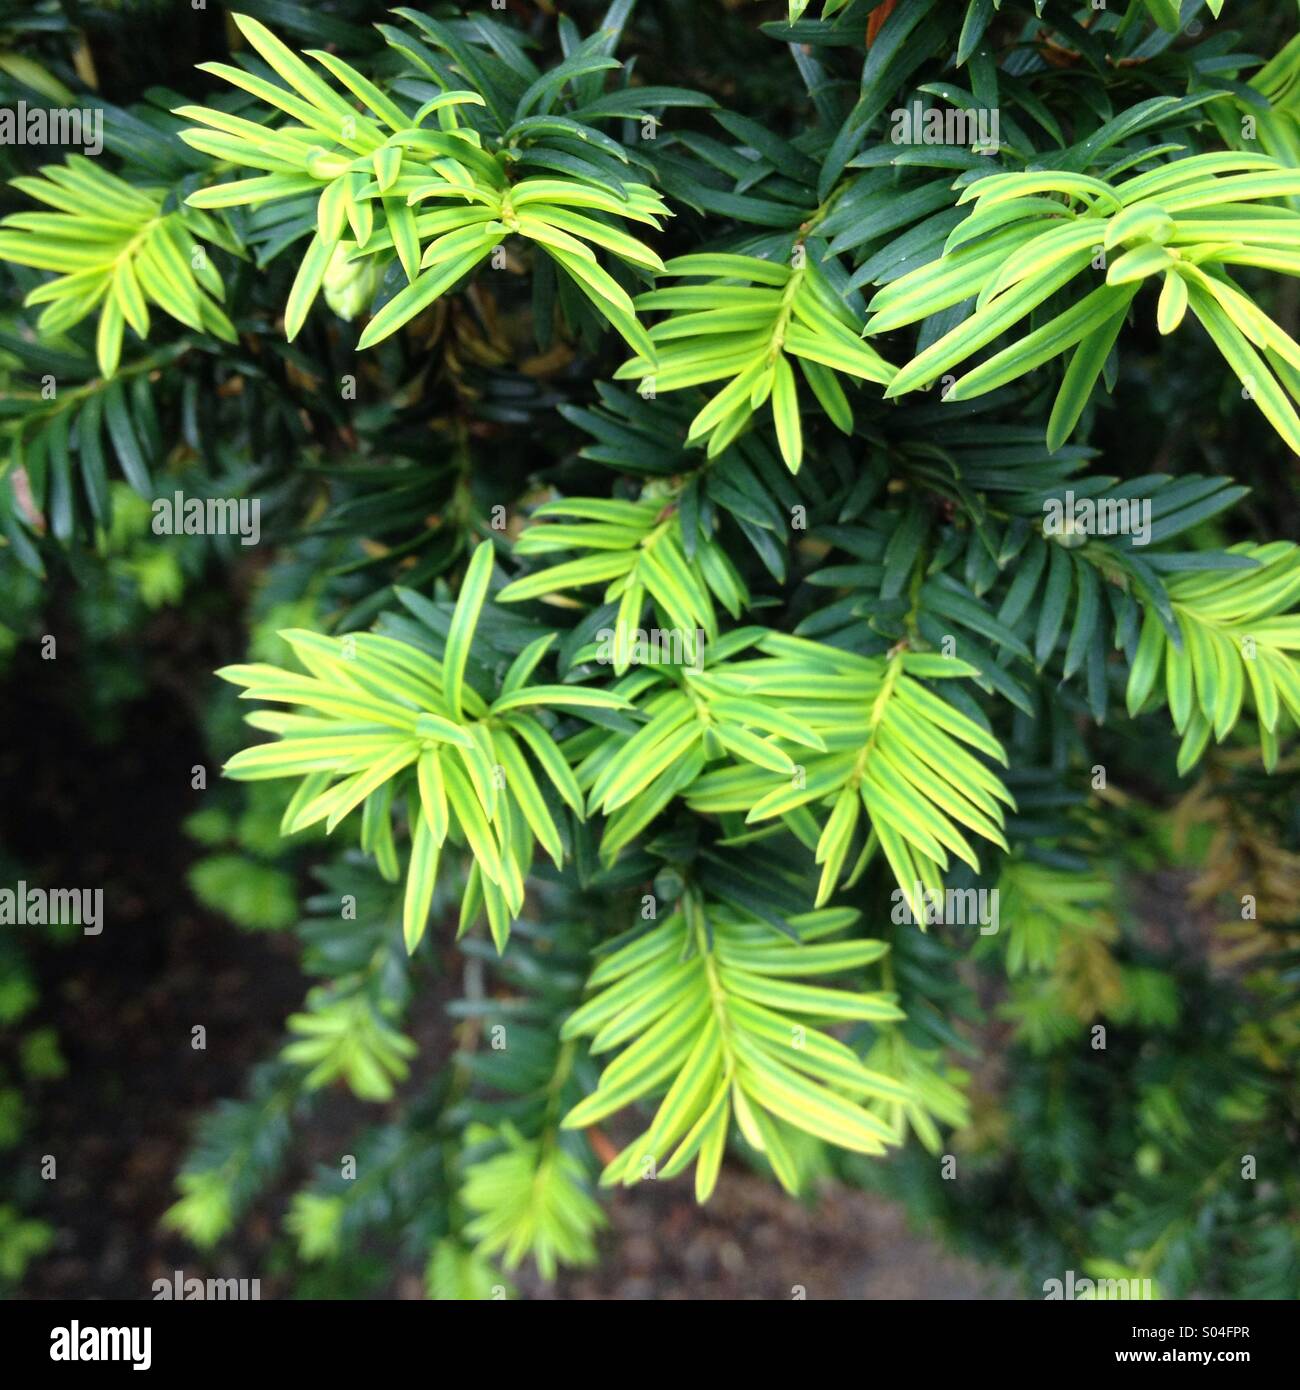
x=756 y=535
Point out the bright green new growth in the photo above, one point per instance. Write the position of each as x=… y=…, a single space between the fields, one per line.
x=743 y=325
x=894 y=760
x=715 y=1007
x=346 y=1038
x=376 y=170
x=800 y=725
x=114 y=249
x=1030 y=235
x=637 y=551
x=1235 y=636
x=530 y=1198
x=387 y=719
